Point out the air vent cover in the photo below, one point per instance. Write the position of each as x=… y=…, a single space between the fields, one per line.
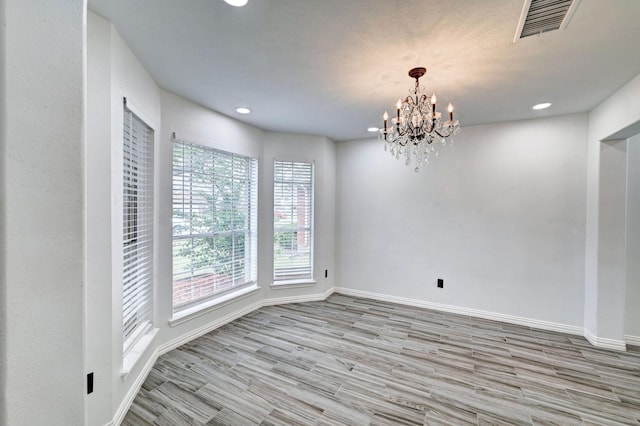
x=541 y=16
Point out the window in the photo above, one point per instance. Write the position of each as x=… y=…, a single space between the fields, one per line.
x=137 y=242
x=214 y=222
x=292 y=221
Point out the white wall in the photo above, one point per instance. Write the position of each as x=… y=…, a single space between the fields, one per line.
x=611 y=255
x=197 y=124
x=128 y=79
x=114 y=72
x=3 y=224
x=99 y=343
x=193 y=123
x=632 y=297
x=311 y=149
x=499 y=216
x=604 y=294
x=42 y=252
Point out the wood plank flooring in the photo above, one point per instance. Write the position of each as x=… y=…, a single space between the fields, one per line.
x=354 y=361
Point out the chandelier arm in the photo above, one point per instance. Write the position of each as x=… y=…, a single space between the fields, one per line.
x=446 y=134
x=429 y=125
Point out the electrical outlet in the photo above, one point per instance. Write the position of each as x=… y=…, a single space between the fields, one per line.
x=89 y=383
x=440 y=283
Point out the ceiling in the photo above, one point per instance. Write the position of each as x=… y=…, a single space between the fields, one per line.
x=331 y=67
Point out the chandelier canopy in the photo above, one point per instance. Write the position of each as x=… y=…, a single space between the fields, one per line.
x=417 y=125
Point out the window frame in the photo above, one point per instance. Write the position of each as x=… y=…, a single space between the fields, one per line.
x=249 y=232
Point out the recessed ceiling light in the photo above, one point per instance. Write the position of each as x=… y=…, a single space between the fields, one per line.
x=372 y=129
x=542 y=105
x=236 y=3
x=243 y=110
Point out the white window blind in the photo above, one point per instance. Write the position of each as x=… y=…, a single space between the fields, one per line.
x=215 y=203
x=292 y=221
x=137 y=200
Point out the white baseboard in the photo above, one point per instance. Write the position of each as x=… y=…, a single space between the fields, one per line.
x=528 y=322
x=297 y=299
x=599 y=342
x=200 y=331
x=137 y=384
x=604 y=343
x=187 y=337
x=632 y=340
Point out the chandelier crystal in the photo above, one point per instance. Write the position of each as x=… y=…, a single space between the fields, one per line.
x=417 y=125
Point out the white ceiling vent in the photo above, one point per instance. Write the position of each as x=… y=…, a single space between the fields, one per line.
x=541 y=16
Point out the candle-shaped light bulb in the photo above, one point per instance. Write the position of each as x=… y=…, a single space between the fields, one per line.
x=450 y=109
x=433 y=105
x=398 y=105
x=385 y=117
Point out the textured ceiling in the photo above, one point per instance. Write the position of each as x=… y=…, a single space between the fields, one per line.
x=331 y=67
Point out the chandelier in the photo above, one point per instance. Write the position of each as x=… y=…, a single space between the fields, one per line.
x=417 y=125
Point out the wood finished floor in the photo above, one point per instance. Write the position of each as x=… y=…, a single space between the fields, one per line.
x=354 y=361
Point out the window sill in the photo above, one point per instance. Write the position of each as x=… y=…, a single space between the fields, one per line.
x=136 y=351
x=279 y=285
x=210 y=305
